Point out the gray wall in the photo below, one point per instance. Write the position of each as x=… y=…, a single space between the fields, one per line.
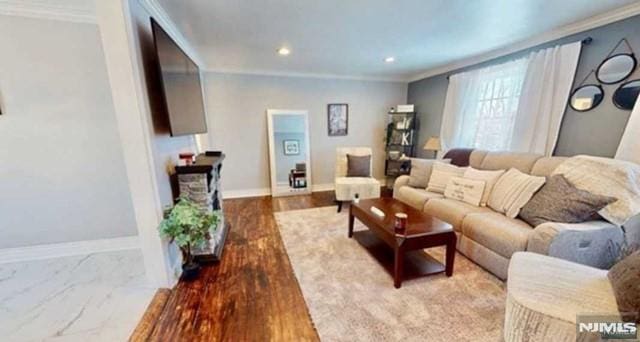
x=597 y=132
x=62 y=172
x=165 y=147
x=237 y=107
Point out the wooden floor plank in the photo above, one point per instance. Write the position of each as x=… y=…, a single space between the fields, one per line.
x=252 y=294
x=151 y=315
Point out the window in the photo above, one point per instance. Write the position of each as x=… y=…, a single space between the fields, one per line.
x=497 y=104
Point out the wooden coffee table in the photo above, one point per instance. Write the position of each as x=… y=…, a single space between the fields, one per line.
x=401 y=254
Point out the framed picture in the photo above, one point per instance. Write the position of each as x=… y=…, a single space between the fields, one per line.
x=338 y=119
x=291 y=147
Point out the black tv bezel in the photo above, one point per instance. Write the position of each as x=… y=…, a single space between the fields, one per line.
x=156 y=25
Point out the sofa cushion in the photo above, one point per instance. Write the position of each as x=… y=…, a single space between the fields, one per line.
x=497 y=232
x=506 y=160
x=512 y=191
x=625 y=280
x=560 y=201
x=415 y=197
x=476 y=158
x=421 y=171
x=452 y=211
x=440 y=175
x=490 y=178
x=546 y=165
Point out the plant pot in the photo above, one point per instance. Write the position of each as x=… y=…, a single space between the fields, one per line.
x=190 y=271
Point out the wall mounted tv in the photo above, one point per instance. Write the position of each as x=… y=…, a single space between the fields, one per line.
x=181 y=86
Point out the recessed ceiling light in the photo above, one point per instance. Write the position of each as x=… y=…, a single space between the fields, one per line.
x=389 y=59
x=283 y=51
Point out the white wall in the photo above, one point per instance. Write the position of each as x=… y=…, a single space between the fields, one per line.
x=237 y=107
x=62 y=174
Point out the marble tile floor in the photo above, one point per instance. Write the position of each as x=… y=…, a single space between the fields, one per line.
x=94 y=297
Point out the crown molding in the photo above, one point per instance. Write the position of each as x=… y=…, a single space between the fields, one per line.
x=274 y=73
x=160 y=15
x=43 y=10
x=563 y=31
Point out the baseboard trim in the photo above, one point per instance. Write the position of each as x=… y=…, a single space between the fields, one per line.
x=57 y=250
x=244 y=193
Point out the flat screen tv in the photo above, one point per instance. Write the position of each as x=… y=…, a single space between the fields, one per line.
x=181 y=86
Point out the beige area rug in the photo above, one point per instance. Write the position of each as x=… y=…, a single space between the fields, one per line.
x=352 y=298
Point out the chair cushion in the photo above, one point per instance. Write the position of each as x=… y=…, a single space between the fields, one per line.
x=415 y=197
x=452 y=211
x=497 y=232
x=365 y=187
x=358 y=166
x=559 y=288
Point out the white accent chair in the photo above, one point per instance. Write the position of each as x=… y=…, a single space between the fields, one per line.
x=347 y=187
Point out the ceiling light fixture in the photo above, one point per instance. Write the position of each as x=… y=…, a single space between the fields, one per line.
x=283 y=51
x=389 y=59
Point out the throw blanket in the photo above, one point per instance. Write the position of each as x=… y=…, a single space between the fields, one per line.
x=459 y=156
x=608 y=177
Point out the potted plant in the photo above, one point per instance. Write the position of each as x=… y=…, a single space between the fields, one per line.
x=188 y=226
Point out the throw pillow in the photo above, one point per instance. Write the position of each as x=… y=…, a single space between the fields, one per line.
x=490 y=178
x=440 y=175
x=465 y=190
x=625 y=281
x=512 y=191
x=421 y=171
x=560 y=201
x=358 y=166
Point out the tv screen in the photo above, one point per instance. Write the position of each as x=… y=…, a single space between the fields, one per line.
x=182 y=90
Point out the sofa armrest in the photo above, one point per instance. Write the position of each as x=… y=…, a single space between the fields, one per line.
x=588 y=243
x=400 y=182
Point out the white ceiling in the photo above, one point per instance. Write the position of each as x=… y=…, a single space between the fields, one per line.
x=350 y=38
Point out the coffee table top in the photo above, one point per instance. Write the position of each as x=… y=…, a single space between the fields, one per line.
x=418 y=222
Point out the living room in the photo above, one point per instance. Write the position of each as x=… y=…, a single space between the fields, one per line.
x=386 y=171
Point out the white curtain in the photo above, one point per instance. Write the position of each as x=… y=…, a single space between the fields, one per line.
x=515 y=106
x=629 y=148
x=477 y=104
x=543 y=100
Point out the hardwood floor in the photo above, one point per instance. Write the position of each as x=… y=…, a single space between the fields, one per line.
x=252 y=295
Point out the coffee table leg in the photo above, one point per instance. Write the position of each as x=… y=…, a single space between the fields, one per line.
x=351 y=218
x=451 y=254
x=397 y=267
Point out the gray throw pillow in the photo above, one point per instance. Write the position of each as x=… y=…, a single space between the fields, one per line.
x=560 y=201
x=421 y=171
x=625 y=281
x=358 y=166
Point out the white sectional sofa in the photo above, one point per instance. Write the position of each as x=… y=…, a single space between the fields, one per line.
x=490 y=238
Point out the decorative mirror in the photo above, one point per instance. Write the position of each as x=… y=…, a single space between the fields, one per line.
x=586 y=97
x=616 y=68
x=626 y=95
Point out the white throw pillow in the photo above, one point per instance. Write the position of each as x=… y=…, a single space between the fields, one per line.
x=490 y=178
x=512 y=191
x=440 y=175
x=465 y=190
x=421 y=171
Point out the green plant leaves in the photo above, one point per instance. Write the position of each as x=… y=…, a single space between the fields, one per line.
x=187 y=224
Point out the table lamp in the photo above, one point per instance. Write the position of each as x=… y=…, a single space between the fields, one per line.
x=433 y=144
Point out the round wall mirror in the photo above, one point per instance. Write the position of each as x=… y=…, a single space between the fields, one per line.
x=626 y=95
x=586 y=97
x=616 y=68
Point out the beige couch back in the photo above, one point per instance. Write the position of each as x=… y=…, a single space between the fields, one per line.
x=530 y=163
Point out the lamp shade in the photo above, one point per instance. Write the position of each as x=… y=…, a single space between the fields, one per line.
x=433 y=144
